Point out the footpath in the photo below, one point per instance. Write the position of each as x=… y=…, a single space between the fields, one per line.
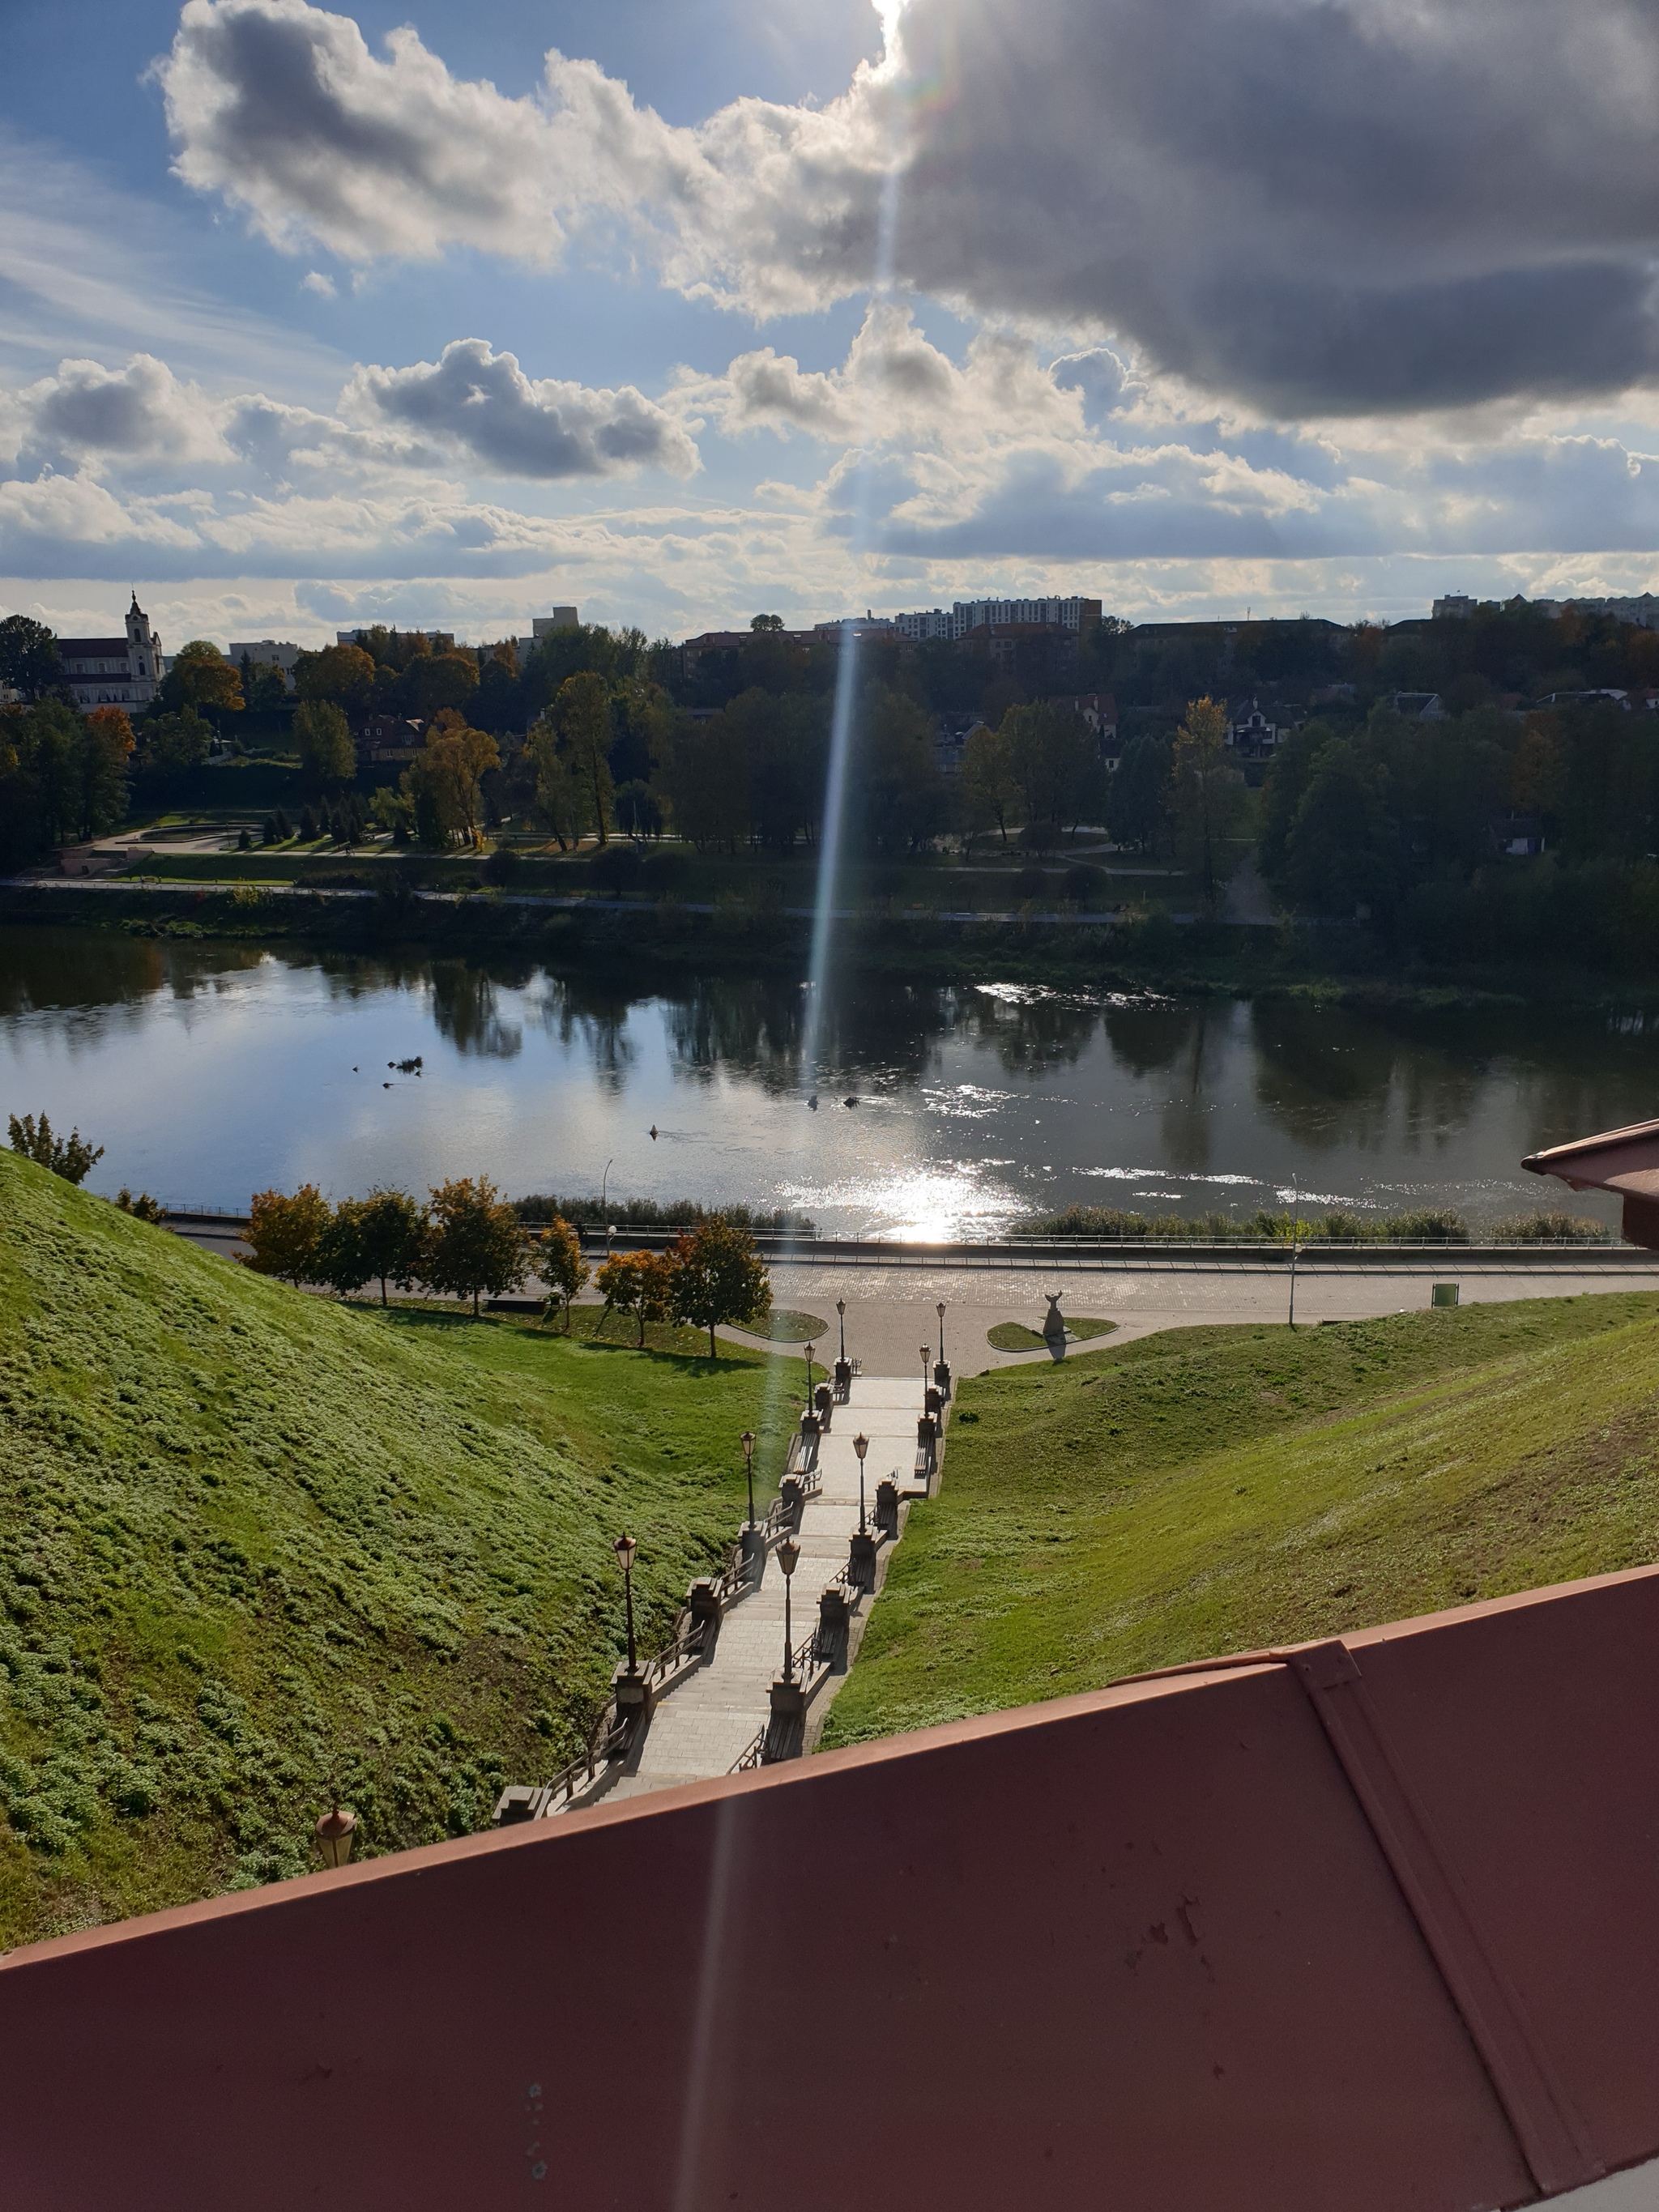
x=762 y=1652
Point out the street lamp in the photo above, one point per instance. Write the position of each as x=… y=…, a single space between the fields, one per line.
x=334 y=1833
x=747 y=1440
x=939 y=1311
x=861 y=1445
x=809 y=1349
x=926 y=1350
x=840 y=1308
x=788 y=1554
x=624 y=1548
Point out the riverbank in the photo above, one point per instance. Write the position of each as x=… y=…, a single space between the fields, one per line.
x=1127 y=952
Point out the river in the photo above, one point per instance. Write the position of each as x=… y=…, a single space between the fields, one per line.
x=208 y=1071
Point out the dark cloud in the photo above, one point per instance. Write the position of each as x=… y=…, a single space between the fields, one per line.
x=482 y=403
x=1320 y=206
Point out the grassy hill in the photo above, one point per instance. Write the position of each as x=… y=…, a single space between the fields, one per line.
x=1215 y=1490
x=250 y=1540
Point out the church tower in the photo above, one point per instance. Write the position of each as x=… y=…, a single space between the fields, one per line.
x=144 y=653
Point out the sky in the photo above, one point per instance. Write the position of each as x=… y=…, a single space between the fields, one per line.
x=686 y=310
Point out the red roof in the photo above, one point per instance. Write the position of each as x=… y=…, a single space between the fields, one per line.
x=92 y=649
x=1372 y=1923
x=1622 y=1160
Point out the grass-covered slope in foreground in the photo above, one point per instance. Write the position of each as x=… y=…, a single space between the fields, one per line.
x=249 y=1539
x=1215 y=1490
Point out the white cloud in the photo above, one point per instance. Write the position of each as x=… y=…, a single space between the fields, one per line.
x=315 y=280
x=1330 y=205
x=136 y=415
x=480 y=404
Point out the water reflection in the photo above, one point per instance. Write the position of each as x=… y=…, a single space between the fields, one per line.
x=221 y=1069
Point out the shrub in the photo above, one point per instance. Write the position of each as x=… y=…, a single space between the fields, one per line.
x=142 y=1208
x=70 y=1156
x=1427 y=1225
x=1550 y=1229
x=502 y=866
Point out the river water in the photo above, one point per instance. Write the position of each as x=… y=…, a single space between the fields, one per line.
x=208 y=1071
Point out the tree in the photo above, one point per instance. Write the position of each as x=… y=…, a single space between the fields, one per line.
x=340 y=1262
x=264 y=685
x=70 y=1157
x=896 y=791
x=323 y=736
x=560 y=1263
x=1137 y=796
x=719 y=1279
x=618 y=1280
x=284 y=1235
x=382 y=1238
x=435 y=681
x=561 y=798
x=476 y=1242
x=105 y=752
x=1054 y=760
x=765 y=621
x=175 y=744
x=28 y=656
x=338 y=676
x=705 y=779
x=202 y=679
x=582 y=712
x=1206 y=791
x=391 y=1228
x=639 y=1283
x=444 y=781
x=989 y=784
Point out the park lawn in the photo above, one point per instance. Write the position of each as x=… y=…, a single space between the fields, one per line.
x=1217 y=1490
x=251 y=1540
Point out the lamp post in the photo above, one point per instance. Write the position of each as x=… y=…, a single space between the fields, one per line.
x=624 y=1548
x=939 y=1311
x=808 y=1350
x=927 y=1350
x=334 y=1834
x=861 y=1445
x=840 y=1308
x=747 y=1440
x=788 y=1554
x=1296 y=1237
x=605 y=1187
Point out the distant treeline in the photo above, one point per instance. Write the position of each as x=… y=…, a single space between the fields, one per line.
x=1425 y=1225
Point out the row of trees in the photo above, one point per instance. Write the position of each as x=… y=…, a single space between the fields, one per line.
x=1368 y=814
x=469 y=1242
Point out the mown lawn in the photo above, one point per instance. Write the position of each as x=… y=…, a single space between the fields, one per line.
x=1216 y=1489
x=251 y=1539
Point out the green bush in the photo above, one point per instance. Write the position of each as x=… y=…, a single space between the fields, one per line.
x=1550 y=1229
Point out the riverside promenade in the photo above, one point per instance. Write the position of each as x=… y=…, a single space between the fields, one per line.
x=704 y=1725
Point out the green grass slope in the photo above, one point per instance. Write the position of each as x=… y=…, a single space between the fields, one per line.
x=250 y=1540
x=1215 y=1490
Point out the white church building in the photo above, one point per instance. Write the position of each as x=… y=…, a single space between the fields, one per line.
x=114 y=671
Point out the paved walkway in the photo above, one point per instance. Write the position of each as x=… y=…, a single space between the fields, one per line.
x=704 y=1726
x=891 y=1309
